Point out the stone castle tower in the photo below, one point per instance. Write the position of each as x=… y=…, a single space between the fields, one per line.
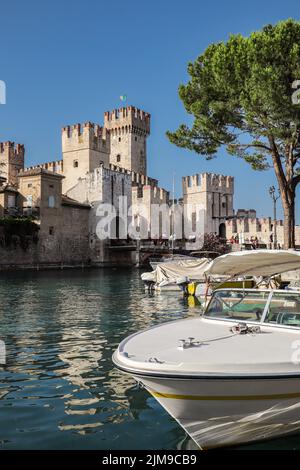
x=11 y=161
x=129 y=128
x=84 y=148
x=215 y=194
x=120 y=142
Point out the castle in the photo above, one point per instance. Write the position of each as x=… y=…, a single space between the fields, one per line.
x=99 y=165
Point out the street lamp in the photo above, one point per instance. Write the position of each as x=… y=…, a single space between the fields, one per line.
x=272 y=192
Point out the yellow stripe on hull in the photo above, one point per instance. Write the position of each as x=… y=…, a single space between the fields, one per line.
x=225 y=397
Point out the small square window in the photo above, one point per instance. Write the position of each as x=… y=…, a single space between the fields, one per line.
x=29 y=185
x=51 y=186
x=51 y=230
x=75 y=163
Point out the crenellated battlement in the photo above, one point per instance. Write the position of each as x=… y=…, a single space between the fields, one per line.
x=12 y=148
x=78 y=129
x=136 y=178
x=249 y=227
x=208 y=182
x=55 y=167
x=12 y=160
x=154 y=194
x=86 y=135
x=127 y=120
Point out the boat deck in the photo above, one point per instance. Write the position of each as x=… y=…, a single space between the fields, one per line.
x=214 y=350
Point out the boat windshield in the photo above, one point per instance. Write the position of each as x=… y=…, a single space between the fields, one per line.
x=237 y=304
x=284 y=309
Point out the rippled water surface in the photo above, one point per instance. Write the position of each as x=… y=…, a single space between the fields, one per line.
x=59 y=389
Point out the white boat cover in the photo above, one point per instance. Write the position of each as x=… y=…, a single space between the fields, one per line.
x=148 y=277
x=171 y=271
x=255 y=263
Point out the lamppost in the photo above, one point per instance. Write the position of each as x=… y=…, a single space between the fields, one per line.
x=272 y=192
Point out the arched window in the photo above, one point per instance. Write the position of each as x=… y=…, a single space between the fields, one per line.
x=118 y=158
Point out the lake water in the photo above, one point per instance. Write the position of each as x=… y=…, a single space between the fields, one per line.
x=59 y=389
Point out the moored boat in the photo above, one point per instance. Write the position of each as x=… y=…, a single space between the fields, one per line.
x=170 y=275
x=232 y=375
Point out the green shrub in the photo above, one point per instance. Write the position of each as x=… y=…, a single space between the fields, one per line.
x=18 y=231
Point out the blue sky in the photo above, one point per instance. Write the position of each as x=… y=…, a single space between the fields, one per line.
x=69 y=61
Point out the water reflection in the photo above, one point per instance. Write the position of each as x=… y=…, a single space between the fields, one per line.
x=59 y=389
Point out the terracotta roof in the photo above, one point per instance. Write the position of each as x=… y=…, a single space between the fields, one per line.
x=39 y=171
x=68 y=201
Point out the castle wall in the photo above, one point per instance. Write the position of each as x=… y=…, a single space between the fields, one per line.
x=262 y=228
x=69 y=243
x=102 y=186
x=143 y=199
x=15 y=257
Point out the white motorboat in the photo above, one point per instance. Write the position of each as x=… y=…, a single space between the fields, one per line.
x=232 y=375
x=171 y=275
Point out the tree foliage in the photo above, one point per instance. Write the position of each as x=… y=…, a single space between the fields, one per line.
x=18 y=231
x=213 y=243
x=240 y=95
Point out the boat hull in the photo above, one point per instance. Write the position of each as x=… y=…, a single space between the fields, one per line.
x=226 y=412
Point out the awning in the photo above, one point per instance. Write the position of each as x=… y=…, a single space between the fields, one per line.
x=255 y=263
